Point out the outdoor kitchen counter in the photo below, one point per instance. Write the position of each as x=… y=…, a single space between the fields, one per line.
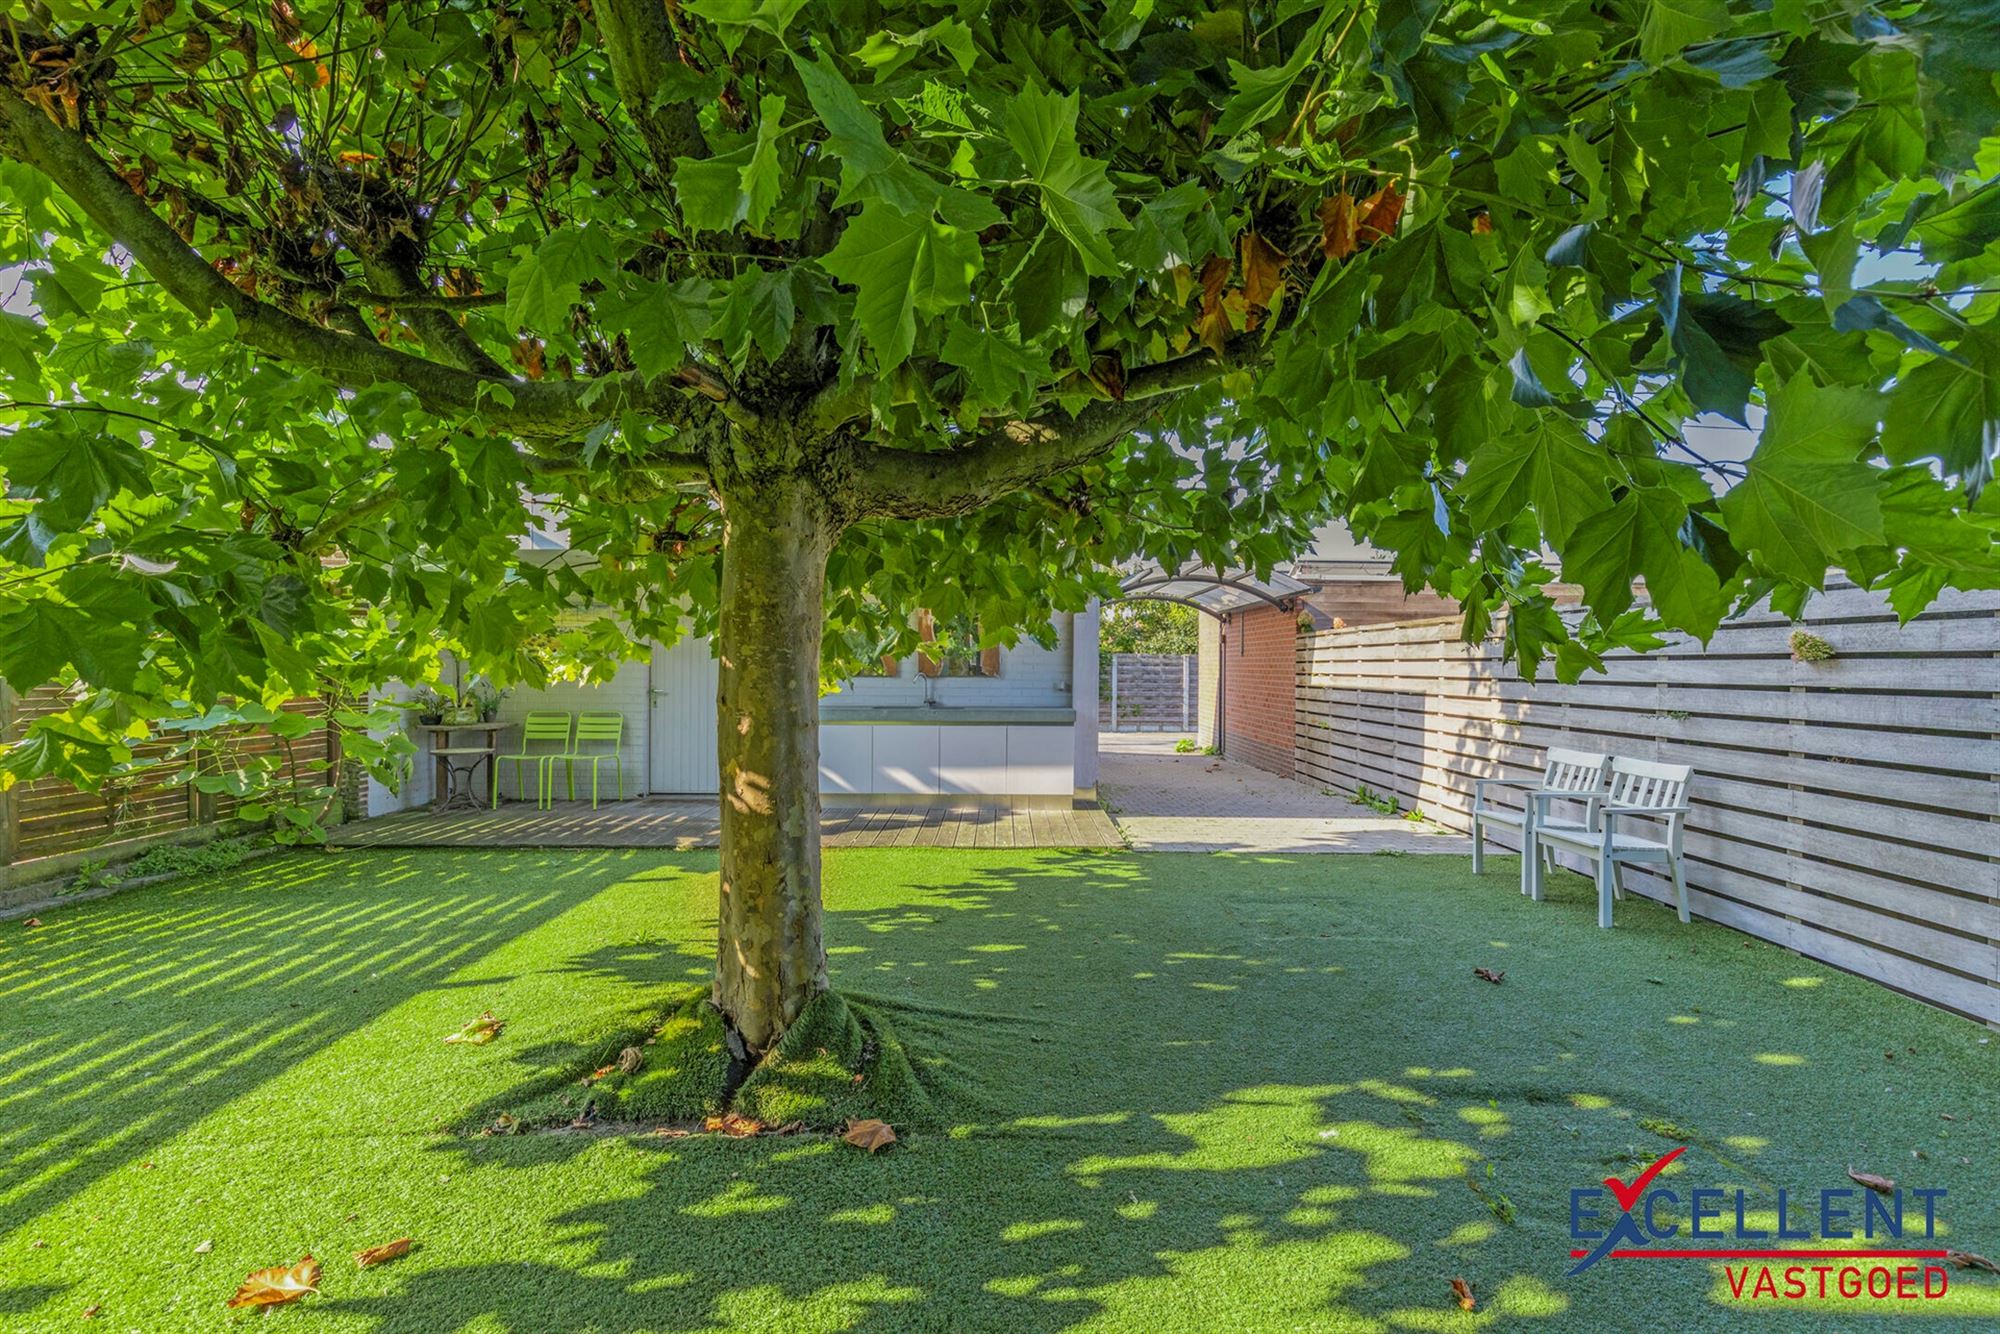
x=944 y=715
x=918 y=751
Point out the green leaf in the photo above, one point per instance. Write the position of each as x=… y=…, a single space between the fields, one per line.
x=1806 y=495
x=759 y=180
x=1718 y=345
x=735 y=19
x=1076 y=194
x=901 y=263
x=1948 y=409
x=1639 y=537
x=91 y=620
x=546 y=279
x=869 y=167
x=1004 y=373
x=1671 y=25
x=1550 y=466
x=70 y=469
x=756 y=309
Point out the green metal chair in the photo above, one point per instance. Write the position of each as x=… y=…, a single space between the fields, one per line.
x=600 y=728
x=546 y=726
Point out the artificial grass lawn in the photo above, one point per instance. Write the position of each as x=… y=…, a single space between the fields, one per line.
x=1164 y=1092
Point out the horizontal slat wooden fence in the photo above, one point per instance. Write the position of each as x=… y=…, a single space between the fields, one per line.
x=47 y=826
x=1848 y=809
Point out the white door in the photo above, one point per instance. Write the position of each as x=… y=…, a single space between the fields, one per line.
x=683 y=719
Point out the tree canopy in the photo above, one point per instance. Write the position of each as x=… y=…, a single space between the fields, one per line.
x=322 y=303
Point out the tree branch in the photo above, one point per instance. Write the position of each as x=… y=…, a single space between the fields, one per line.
x=538 y=409
x=639 y=45
x=919 y=484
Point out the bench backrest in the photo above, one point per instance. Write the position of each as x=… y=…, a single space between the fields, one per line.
x=1574 y=770
x=1644 y=783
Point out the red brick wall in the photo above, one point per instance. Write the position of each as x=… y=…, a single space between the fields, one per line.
x=1259 y=676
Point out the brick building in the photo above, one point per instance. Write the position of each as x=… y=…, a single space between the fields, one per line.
x=1249 y=637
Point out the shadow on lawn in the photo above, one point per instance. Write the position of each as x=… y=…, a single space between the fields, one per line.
x=1145 y=1122
x=99 y=1064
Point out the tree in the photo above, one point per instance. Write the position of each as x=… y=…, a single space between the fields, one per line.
x=1140 y=625
x=800 y=316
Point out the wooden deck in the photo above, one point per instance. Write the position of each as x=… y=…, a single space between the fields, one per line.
x=684 y=825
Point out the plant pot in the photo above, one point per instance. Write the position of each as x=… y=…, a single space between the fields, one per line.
x=429 y=719
x=460 y=717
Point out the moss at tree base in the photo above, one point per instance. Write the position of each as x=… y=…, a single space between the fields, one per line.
x=836 y=1064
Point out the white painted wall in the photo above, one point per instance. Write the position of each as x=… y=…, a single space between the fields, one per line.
x=1031 y=677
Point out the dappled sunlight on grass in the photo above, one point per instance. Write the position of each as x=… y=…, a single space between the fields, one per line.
x=1173 y=1093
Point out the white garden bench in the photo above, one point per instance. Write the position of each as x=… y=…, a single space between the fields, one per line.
x=1575 y=773
x=1639 y=789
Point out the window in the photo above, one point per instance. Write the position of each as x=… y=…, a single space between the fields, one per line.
x=960 y=654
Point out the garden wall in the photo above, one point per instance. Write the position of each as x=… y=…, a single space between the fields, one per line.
x=1848 y=809
x=48 y=828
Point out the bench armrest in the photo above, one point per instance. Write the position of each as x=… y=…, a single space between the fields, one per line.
x=1662 y=812
x=1481 y=784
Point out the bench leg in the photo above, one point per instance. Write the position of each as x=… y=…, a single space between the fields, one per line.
x=1618 y=881
x=1606 y=869
x=1478 y=847
x=1680 y=886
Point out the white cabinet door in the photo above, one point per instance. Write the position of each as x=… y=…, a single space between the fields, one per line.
x=906 y=759
x=1041 y=761
x=846 y=759
x=973 y=759
x=683 y=713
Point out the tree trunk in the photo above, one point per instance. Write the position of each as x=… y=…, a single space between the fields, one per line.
x=770 y=952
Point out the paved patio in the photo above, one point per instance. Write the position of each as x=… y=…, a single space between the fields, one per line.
x=1168 y=802
x=686 y=825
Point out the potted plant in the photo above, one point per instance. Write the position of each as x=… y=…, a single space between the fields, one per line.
x=484 y=696
x=429 y=705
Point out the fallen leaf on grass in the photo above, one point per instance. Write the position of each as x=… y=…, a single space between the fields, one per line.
x=1967 y=1260
x=1880 y=1185
x=90 y=1312
x=503 y=1124
x=480 y=1031
x=32 y=921
x=1463 y=1291
x=204 y=1248
x=279 y=1284
x=869 y=1134
x=388 y=1250
x=734 y=1124
x=1489 y=975
x=630 y=1060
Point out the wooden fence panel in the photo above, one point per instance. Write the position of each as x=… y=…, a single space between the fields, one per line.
x=47 y=819
x=1848 y=809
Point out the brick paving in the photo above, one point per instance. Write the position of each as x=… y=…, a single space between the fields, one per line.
x=1168 y=802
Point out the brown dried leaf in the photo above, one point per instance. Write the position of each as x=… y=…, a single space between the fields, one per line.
x=279 y=1284
x=734 y=1124
x=1263 y=270
x=480 y=1031
x=630 y=1060
x=1489 y=975
x=32 y=921
x=1482 y=224
x=1336 y=226
x=90 y=1312
x=1463 y=1291
x=1379 y=214
x=387 y=1251
x=1967 y=1260
x=869 y=1134
x=1880 y=1185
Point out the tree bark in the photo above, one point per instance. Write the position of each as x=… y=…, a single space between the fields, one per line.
x=770 y=951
